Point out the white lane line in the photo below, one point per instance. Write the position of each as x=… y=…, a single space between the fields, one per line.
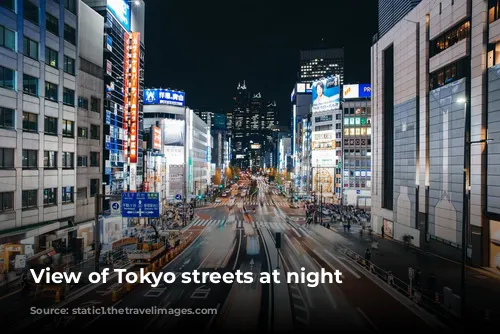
x=237 y=253
x=326 y=261
x=327 y=293
x=289 y=242
x=213 y=317
x=367 y=319
x=150 y=322
x=296 y=232
x=355 y=274
x=202 y=262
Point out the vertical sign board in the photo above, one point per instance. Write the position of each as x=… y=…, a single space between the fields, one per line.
x=156 y=138
x=126 y=87
x=134 y=95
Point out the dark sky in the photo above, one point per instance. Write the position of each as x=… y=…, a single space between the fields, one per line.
x=206 y=47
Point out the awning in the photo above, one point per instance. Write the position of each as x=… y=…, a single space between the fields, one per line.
x=21 y=233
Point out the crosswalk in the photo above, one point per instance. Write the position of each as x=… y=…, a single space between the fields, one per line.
x=197 y=222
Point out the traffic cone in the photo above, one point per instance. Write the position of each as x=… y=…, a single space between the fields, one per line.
x=58 y=296
x=114 y=297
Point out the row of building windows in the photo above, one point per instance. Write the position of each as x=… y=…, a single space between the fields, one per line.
x=452 y=72
x=354 y=121
x=30 y=198
x=358 y=132
x=83 y=132
x=362 y=152
x=32 y=13
x=30 y=159
x=357 y=111
x=357 y=142
x=449 y=38
x=357 y=163
x=95 y=103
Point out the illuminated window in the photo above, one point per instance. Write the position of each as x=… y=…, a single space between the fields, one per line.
x=351 y=132
x=358 y=120
x=346 y=121
x=363 y=131
x=351 y=121
x=369 y=131
x=358 y=131
x=346 y=132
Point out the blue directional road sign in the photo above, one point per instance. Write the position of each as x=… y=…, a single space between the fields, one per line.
x=178 y=197
x=141 y=205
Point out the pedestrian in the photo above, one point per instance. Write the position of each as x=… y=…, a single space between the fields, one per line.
x=345 y=226
x=368 y=255
x=349 y=227
x=382 y=231
x=328 y=226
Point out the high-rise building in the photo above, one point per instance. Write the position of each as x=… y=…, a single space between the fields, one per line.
x=206 y=115
x=391 y=12
x=435 y=138
x=320 y=63
x=123 y=56
x=38 y=119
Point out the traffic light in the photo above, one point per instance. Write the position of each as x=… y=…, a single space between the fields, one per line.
x=221 y=186
x=199 y=197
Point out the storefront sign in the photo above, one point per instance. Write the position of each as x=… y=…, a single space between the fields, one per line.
x=134 y=95
x=126 y=86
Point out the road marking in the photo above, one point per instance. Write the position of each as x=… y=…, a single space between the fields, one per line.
x=289 y=242
x=10 y=294
x=328 y=293
x=100 y=315
x=200 y=293
x=153 y=319
x=237 y=253
x=326 y=261
x=343 y=264
x=296 y=232
x=206 y=257
x=155 y=292
x=213 y=316
x=367 y=319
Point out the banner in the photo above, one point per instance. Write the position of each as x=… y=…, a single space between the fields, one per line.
x=323 y=180
x=135 y=51
x=326 y=94
x=175 y=180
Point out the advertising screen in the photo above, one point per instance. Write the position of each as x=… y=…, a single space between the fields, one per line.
x=173 y=132
x=324 y=158
x=255 y=146
x=174 y=154
x=323 y=140
x=120 y=9
x=326 y=94
x=164 y=96
x=175 y=177
x=323 y=180
x=156 y=137
x=356 y=91
x=134 y=96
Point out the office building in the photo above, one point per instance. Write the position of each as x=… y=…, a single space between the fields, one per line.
x=391 y=12
x=435 y=137
x=356 y=146
x=320 y=63
x=205 y=115
x=123 y=62
x=38 y=117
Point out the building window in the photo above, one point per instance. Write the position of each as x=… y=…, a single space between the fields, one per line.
x=94 y=186
x=338 y=126
x=7 y=78
x=51 y=91
x=69 y=34
x=69 y=65
x=50 y=196
x=50 y=159
x=83 y=103
x=95 y=104
x=51 y=57
x=94 y=159
x=50 y=126
x=30 y=11
x=30 y=122
x=94 y=131
x=6 y=158
x=29 y=199
x=7 y=118
x=68 y=128
x=9 y=4
x=81 y=193
x=83 y=132
x=69 y=96
x=82 y=161
x=6 y=201
x=67 y=160
x=7 y=38
x=52 y=24
x=30 y=85
x=452 y=72
x=30 y=159
x=449 y=38
x=70 y=5
x=67 y=194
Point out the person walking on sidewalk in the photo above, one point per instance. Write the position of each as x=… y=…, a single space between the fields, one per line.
x=368 y=255
x=345 y=226
x=382 y=231
x=349 y=227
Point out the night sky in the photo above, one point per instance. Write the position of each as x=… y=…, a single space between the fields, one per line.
x=206 y=47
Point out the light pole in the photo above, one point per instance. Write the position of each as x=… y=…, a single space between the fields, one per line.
x=466 y=202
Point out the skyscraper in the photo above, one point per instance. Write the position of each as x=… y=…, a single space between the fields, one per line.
x=391 y=12
x=320 y=63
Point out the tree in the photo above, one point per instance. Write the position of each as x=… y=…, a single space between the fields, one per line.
x=229 y=173
x=217 y=179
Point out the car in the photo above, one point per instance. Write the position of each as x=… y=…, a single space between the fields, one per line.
x=218 y=200
x=232 y=197
x=224 y=194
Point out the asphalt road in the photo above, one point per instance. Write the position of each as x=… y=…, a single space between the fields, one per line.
x=232 y=239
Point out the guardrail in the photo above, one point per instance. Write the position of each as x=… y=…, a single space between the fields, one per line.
x=431 y=301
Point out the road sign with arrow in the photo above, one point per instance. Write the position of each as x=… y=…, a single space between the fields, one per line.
x=140 y=205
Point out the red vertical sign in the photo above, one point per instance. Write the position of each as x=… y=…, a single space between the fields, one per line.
x=134 y=95
x=126 y=87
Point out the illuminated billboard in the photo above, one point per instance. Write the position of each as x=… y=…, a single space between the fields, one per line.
x=323 y=140
x=326 y=94
x=173 y=132
x=356 y=91
x=220 y=121
x=134 y=55
x=325 y=158
x=164 y=96
x=126 y=86
x=120 y=9
x=255 y=146
x=323 y=180
x=155 y=138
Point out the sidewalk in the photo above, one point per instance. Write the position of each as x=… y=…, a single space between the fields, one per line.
x=391 y=255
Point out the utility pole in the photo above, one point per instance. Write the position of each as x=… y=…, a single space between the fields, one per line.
x=321 y=202
x=97 y=229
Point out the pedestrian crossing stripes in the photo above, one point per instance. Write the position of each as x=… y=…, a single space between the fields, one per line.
x=280 y=204
x=239 y=224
